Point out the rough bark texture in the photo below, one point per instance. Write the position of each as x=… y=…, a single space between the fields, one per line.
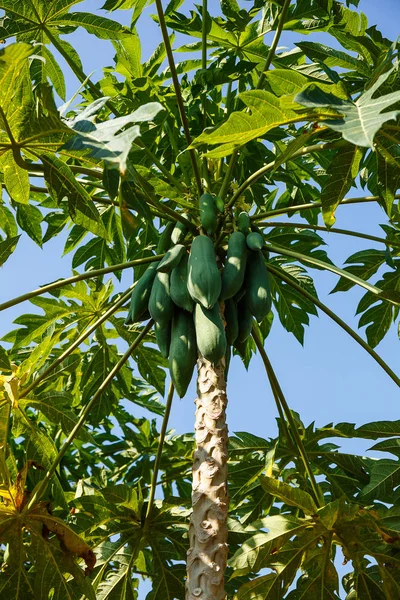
x=208 y=551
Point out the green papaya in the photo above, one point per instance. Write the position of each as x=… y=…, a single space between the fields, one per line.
x=235 y=266
x=182 y=351
x=141 y=295
x=237 y=298
x=178 y=285
x=178 y=233
x=219 y=203
x=210 y=333
x=255 y=241
x=243 y=222
x=258 y=291
x=172 y=258
x=163 y=337
x=204 y=280
x=245 y=320
x=208 y=213
x=165 y=239
x=161 y=306
x=232 y=322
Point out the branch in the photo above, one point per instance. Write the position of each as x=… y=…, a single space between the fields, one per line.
x=95 y=273
x=287 y=279
x=311 y=205
x=327 y=266
x=274 y=44
x=177 y=87
x=356 y=234
x=43 y=484
x=277 y=390
x=268 y=167
x=159 y=449
x=77 y=342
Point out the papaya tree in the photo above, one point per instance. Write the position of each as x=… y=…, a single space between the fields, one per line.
x=180 y=170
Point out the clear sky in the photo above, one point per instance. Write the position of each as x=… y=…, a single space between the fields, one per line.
x=331 y=378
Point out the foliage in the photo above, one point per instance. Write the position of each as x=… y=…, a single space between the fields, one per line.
x=116 y=164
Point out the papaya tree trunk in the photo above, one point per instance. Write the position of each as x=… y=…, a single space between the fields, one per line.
x=208 y=534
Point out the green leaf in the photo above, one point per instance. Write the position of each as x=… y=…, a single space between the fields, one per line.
x=254 y=551
x=289 y=494
x=103 y=28
x=367 y=263
x=265 y=113
x=29 y=218
x=56 y=407
x=341 y=174
x=384 y=478
x=109 y=140
x=62 y=184
x=361 y=119
x=7 y=247
x=334 y=58
x=150 y=364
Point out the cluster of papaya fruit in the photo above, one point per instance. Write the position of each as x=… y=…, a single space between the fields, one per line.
x=201 y=303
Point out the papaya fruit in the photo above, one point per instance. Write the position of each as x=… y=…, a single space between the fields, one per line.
x=219 y=203
x=258 y=290
x=182 y=351
x=141 y=295
x=178 y=233
x=233 y=273
x=204 y=281
x=210 y=333
x=208 y=213
x=178 y=285
x=232 y=322
x=163 y=337
x=245 y=320
x=237 y=297
x=243 y=222
x=161 y=306
x=165 y=239
x=172 y=258
x=255 y=241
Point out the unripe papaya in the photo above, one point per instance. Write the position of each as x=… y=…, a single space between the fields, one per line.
x=182 y=351
x=245 y=320
x=235 y=266
x=178 y=233
x=141 y=294
x=258 y=291
x=172 y=258
x=204 y=281
x=210 y=333
x=255 y=241
x=163 y=337
x=232 y=323
x=208 y=213
x=219 y=203
x=161 y=306
x=178 y=285
x=243 y=222
x=165 y=239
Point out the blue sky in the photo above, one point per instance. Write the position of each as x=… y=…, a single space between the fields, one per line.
x=330 y=379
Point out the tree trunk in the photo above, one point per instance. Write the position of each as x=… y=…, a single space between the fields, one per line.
x=208 y=534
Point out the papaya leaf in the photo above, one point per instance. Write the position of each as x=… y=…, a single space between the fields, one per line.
x=289 y=494
x=361 y=120
x=341 y=175
x=265 y=113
